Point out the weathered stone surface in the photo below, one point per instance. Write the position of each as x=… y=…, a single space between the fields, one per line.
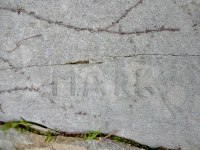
x=14 y=140
x=130 y=65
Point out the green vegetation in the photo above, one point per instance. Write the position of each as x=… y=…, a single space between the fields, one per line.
x=96 y=135
x=90 y=135
x=23 y=126
x=50 y=136
x=20 y=126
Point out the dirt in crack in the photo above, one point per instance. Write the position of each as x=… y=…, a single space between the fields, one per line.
x=79 y=62
x=99 y=137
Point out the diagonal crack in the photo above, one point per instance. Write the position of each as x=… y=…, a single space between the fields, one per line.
x=124 y=15
x=90 y=29
x=7 y=61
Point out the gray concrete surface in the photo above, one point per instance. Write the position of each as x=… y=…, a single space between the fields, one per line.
x=131 y=65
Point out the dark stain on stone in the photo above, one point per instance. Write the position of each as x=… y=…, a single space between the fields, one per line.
x=81 y=113
x=52 y=101
x=48 y=84
x=95 y=116
x=59 y=22
x=7 y=61
x=79 y=62
x=128 y=56
x=99 y=62
x=194 y=25
x=131 y=40
x=31 y=13
x=50 y=21
x=189 y=13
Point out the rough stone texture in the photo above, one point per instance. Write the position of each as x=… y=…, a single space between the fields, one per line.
x=131 y=65
x=14 y=140
x=104 y=145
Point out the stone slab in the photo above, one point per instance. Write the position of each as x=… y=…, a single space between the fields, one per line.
x=14 y=140
x=130 y=65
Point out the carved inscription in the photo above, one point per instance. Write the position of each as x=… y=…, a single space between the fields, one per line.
x=68 y=76
x=129 y=85
x=121 y=83
x=143 y=88
x=1 y=109
x=93 y=83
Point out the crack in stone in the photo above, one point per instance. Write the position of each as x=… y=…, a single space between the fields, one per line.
x=21 y=89
x=79 y=62
x=172 y=55
x=18 y=43
x=7 y=61
x=124 y=15
x=87 y=62
x=69 y=63
x=96 y=29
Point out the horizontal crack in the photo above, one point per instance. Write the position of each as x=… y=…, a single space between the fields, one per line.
x=140 y=32
x=79 y=62
x=134 y=55
x=161 y=29
x=88 y=61
x=20 y=89
x=68 y=63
